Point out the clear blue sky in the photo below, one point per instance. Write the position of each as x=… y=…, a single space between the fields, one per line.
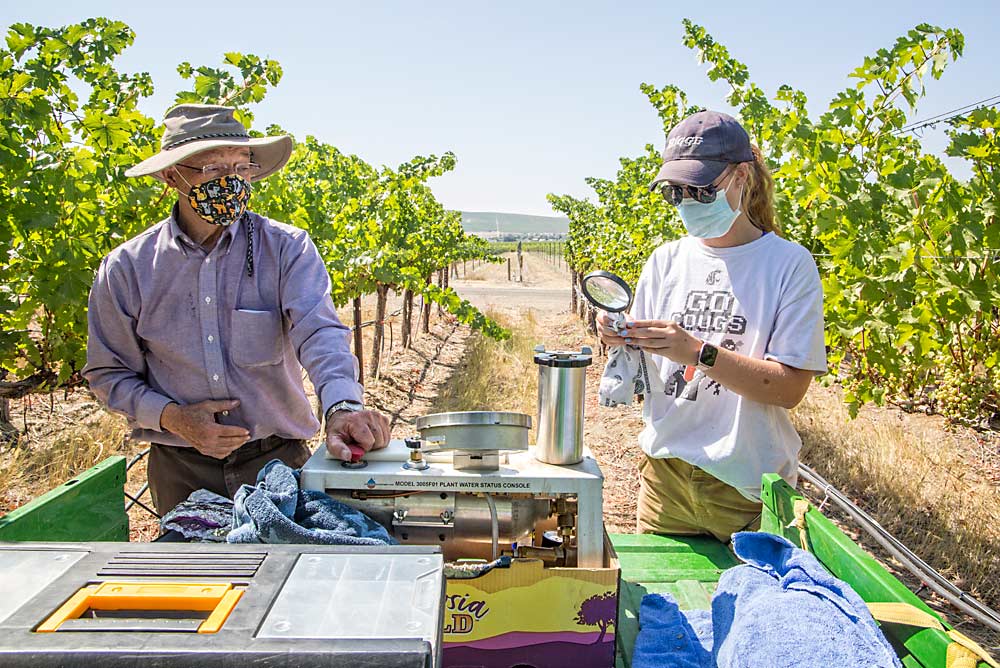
x=532 y=97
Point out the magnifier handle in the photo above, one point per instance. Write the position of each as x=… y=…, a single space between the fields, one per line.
x=617 y=321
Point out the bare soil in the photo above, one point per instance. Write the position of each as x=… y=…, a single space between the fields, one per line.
x=543 y=286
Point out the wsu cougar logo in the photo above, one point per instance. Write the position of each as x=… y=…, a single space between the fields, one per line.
x=706 y=311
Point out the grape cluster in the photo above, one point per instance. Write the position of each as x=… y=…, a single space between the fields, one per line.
x=960 y=395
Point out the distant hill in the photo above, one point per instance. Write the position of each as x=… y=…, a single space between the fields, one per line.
x=480 y=222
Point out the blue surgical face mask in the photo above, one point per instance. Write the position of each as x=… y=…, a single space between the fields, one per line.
x=708 y=221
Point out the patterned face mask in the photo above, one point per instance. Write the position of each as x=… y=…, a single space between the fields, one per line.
x=221 y=201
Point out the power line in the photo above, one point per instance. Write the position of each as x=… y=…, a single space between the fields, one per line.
x=947 y=115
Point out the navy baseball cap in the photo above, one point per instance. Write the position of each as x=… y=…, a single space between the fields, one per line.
x=700 y=147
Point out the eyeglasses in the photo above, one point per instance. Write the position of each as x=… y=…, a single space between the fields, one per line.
x=703 y=194
x=212 y=170
x=674 y=194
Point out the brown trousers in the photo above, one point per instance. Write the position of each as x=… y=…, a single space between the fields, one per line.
x=174 y=472
x=678 y=498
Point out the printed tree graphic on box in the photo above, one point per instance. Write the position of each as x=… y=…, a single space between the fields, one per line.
x=598 y=610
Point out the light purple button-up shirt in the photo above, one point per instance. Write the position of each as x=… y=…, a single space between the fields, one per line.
x=169 y=321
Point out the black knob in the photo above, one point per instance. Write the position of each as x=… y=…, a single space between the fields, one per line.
x=412 y=442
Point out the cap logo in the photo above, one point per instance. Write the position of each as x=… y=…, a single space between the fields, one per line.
x=685 y=141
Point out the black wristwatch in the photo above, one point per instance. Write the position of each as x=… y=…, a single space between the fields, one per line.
x=348 y=405
x=707 y=356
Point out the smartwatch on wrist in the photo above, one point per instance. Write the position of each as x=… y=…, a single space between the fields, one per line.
x=707 y=356
x=348 y=405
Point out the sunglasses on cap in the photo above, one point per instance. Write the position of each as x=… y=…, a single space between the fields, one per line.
x=703 y=194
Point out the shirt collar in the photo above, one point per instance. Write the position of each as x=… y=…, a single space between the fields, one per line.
x=180 y=240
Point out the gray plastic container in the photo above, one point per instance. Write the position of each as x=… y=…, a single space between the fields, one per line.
x=303 y=605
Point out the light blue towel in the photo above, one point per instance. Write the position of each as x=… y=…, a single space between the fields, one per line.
x=277 y=511
x=782 y=609
x=669 y=637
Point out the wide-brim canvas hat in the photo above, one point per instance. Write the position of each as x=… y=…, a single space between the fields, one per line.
x=192 y=128
x=700 y=147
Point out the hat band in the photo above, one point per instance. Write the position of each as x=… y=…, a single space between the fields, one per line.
x=214 y=135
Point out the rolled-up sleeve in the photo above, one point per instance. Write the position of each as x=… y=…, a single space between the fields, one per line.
x=116 y=367
x=321 y=341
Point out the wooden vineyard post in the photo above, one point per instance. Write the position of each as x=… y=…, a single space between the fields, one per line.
x=508 y=269
x=359 y=350
x=442 y=283
x=520 y=264
x=572 y=292
x=407 y=325
x=427 y=309
x=378 y=338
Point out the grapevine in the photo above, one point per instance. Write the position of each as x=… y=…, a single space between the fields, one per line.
x=908 y=253
x=65 y=202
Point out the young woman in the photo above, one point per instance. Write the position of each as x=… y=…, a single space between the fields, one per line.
x=732 y=315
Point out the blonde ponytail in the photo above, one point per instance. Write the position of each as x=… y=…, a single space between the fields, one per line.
x=758 y=198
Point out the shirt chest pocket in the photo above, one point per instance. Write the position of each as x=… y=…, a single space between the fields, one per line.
x=257 y=337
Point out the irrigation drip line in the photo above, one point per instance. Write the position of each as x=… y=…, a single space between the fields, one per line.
x=914 y=564
x=372 y=322
x=135 y=460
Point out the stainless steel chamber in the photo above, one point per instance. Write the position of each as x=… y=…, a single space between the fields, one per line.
x=492 y=430
x=562 y=382
x=476 y=437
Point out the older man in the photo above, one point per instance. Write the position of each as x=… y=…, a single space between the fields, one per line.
x=199 y=325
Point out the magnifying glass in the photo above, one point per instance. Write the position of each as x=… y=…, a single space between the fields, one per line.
x=609 y=292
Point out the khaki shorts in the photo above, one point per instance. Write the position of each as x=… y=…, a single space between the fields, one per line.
x=174 y=472
x=678 y=498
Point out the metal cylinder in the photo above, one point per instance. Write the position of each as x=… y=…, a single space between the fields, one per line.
x=562 y=382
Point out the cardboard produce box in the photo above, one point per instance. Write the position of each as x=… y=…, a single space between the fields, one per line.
x=527 y=615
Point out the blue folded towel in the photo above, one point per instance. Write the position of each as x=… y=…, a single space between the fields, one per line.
x=277 y=511
x=782 y=608
x=669 y=637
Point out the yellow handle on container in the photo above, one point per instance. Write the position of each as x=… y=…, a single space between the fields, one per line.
x=218 y=599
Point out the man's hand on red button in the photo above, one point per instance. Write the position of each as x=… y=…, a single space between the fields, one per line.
x=351 y=434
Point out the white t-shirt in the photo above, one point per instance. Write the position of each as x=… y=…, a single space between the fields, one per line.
x=762 y=299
